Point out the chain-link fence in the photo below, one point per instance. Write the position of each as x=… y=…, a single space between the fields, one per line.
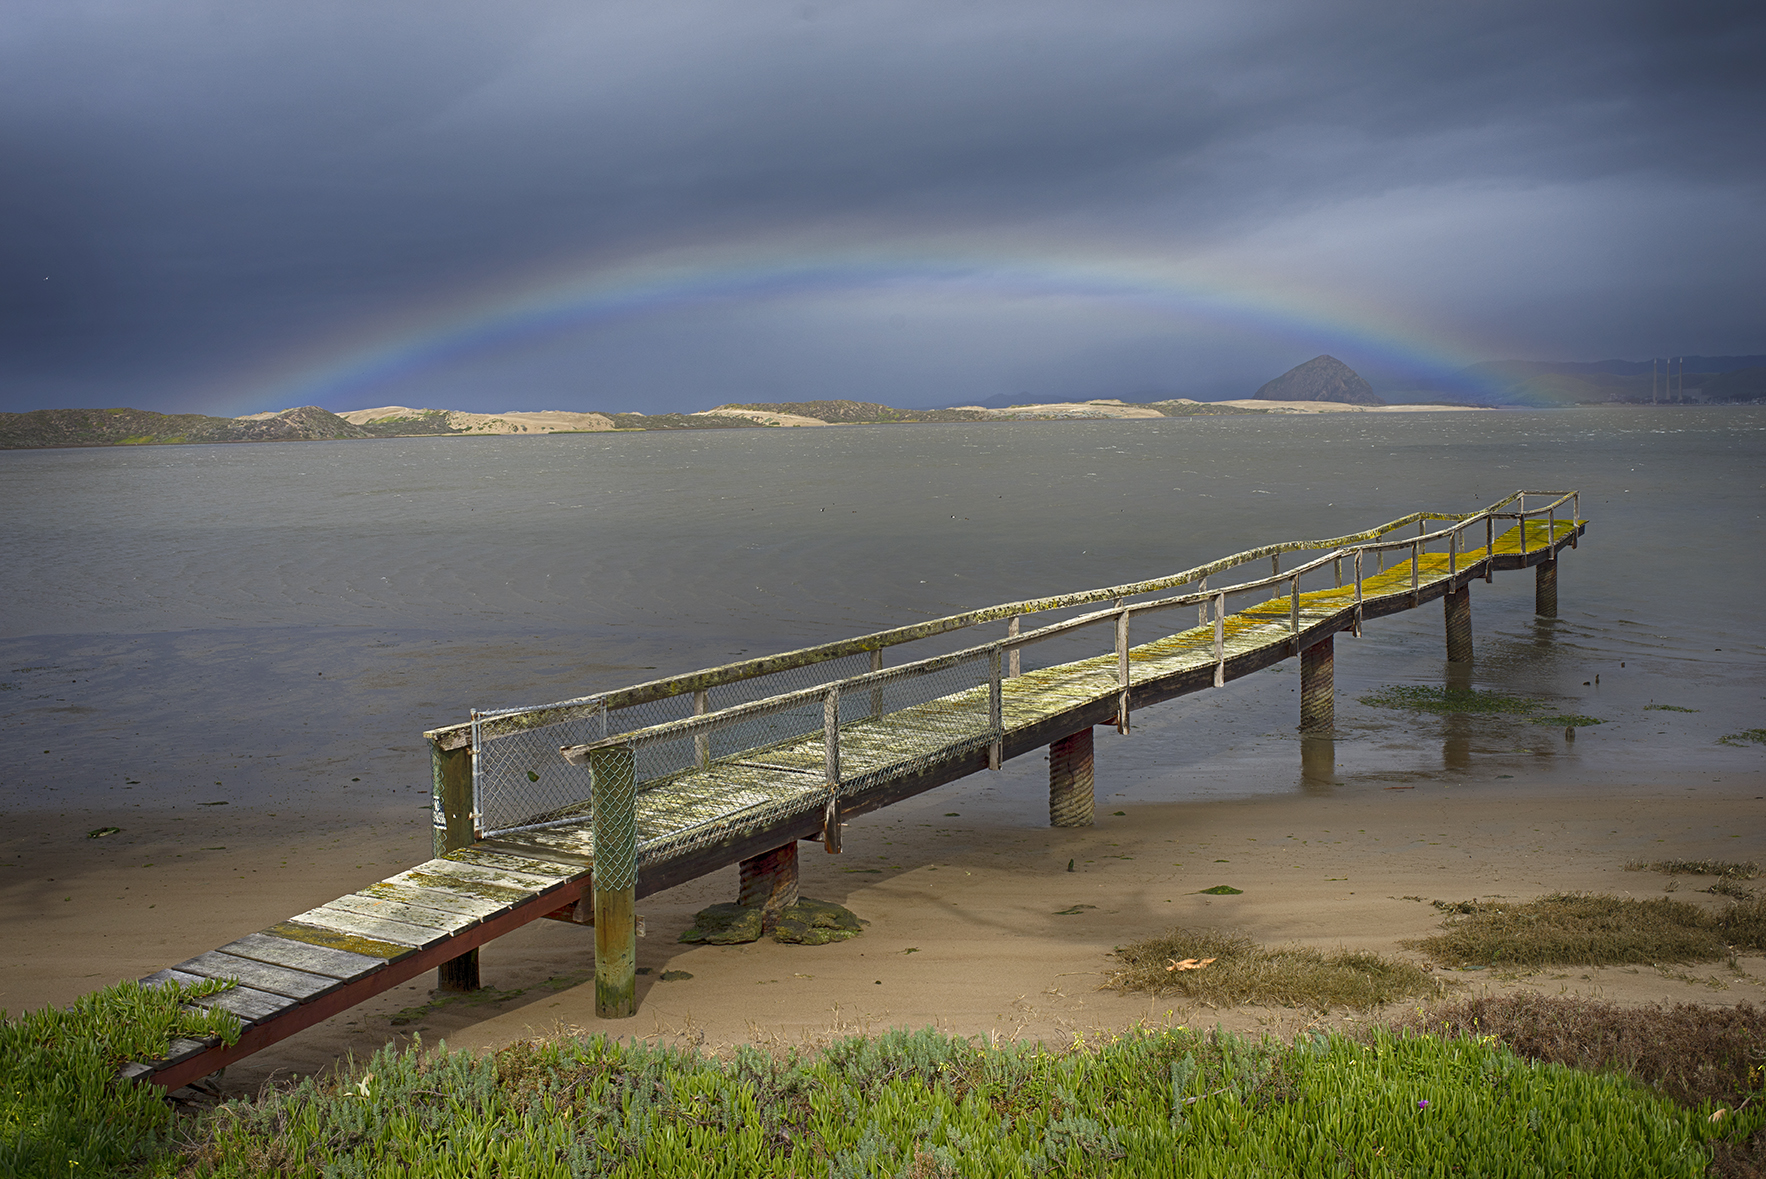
x=777 y=759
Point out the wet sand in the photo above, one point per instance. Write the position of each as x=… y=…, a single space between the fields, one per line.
x=968 y=929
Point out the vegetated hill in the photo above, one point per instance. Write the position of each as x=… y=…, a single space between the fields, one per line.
x=140 y=427
x=680 y=421
x=1323 y=378
x=1745 y=384
x=403 y=422
x=1556 y=383
x=856 y=412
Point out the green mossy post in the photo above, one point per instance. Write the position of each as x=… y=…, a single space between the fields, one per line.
x=613 y=789
x=1318 y=710
x=1458 y=607
x=1071 y=802
x=451 y=786
x=1545 y=589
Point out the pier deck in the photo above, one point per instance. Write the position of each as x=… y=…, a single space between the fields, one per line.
x=733 y=795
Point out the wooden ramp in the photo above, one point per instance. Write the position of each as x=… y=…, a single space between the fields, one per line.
x=744 y=804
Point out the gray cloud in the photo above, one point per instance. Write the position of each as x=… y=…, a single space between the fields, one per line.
x=194 y=190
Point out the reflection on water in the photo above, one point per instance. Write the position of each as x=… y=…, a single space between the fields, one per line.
x=1318 y=763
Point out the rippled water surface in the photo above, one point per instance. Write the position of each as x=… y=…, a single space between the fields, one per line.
x=260 y=623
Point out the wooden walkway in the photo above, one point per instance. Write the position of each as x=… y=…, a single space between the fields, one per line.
x=758 y=802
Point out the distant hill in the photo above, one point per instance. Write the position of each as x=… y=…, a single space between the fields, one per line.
x=140 y=427
x=856 y=412
x=1323 y=378
x=1549 y=383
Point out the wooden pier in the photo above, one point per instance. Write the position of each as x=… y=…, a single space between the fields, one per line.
x=574 y=810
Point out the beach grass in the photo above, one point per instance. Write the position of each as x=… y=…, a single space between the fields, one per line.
x=1238 y=970
x=61 y=1112
x=1175 y=1102
x=1582 y=929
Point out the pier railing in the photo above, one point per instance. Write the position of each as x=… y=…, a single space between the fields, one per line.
x=669 y=727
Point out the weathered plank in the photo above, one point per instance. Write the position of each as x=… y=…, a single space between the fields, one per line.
x=302 y=955
x=249 y=1004
x=547 y=871
x=391 y=910
x=261 y=976
x=442 y=900
x=465 y=868
x=376 y=930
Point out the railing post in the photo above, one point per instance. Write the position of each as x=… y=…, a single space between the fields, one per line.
x=1489 y=548
x=1275 y=564
x=1453 y=553
x=1219 y=640
x=613 y=791
x=451 y=794
x=995 y=711
x=1014 y=665
x=877 y=693
x=1413 y=569
x=702 y=741
x=1575 y=516
x=1358 y=593
x=1551 y=530
x=1202 y=607
x=1122 y=672
x=1294 y=613
x=831 y=769
x=1337 y=571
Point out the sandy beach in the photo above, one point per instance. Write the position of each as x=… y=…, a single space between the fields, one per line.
x=977 y=925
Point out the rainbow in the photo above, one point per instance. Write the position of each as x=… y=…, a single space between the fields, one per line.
x=351 y=371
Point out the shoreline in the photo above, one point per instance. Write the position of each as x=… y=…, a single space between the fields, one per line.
x=971 y=929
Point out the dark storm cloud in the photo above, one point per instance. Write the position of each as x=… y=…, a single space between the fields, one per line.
x=191 y=188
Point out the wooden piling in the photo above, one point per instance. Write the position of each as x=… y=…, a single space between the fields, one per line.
x=1457 y=605
x=451 y=792
x=1318 y=711
x=1070 y=781
x=1545 y=589
x=769 y=880
x=612 y=788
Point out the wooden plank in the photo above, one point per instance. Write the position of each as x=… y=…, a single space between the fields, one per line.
x=437 y=878
x=543 y=872
x=518 y=844
x=376 y=931
x=160 y=978
x=261 y=976
x=249 y=1004
x=323 y=937
x=434 y=898
x=390 y=910
x=301 y=955
x=465 y=869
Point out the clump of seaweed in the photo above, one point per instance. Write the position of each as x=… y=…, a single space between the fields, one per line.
x=1444 y=701
x=1734 y=869
x=1234 y=969
x=1582 y=929
x=1745 y=737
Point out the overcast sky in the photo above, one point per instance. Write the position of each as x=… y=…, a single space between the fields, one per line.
x=222 y=207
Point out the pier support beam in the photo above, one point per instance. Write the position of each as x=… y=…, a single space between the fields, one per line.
x=1318 y=711
x=1070 y=781
x=1458 y=606
x=451 y=786
x=1545 y=589
x=769 y=881
x=613 y=790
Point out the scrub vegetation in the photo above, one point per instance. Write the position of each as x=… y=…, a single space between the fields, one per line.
x=1234 y=969
x=1581 y=929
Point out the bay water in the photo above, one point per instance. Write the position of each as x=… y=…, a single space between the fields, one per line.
x=272 y=626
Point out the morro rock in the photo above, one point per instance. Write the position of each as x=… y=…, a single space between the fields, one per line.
x=1323 y=378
